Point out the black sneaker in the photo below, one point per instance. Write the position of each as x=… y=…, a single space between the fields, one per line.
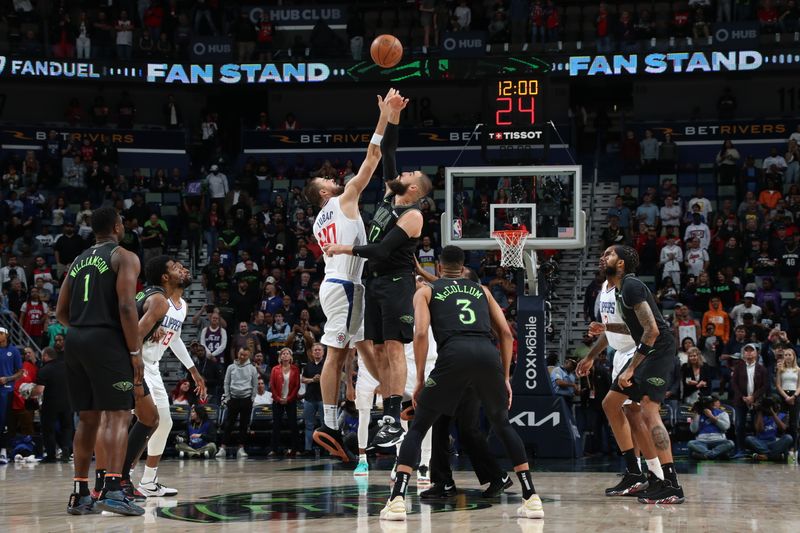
x=331 y=440
x=666 y=493
x=81 y=505
x=629 y=485
x=131 y=492
x=391 y=434
x=497 y=487
x=439 y=490
x=116 y=502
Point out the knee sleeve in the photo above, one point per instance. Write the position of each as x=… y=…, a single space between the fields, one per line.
x=158 y=440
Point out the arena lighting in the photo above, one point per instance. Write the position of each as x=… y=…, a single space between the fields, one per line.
x=665 y=63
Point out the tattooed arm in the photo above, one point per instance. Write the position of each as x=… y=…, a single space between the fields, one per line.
x=650 y=334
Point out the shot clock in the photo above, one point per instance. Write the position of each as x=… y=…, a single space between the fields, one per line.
x=515 y=113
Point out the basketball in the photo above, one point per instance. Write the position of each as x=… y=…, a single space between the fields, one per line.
x=386 y=50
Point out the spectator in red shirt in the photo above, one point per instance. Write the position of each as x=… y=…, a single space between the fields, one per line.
x=680 y=21
x=264 y=31
x=33 y=317
x=604 y=30
x=284 y=383
x=768 y=17
x=153 y=19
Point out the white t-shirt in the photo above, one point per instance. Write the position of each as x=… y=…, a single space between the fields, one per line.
x=263 y=399
x=125 y=35
x=695 y=258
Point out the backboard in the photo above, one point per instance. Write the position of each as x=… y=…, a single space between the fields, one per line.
x=546 y=200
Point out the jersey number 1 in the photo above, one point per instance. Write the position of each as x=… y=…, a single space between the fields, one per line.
x=468 y=316
x=327 y=235
x=86 y=288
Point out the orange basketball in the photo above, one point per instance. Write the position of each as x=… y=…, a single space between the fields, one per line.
x=386 y=50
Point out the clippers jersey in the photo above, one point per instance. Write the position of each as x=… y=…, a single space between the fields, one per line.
x=609 y=314
x=152 y=352
x=333 y=227
x=458 y=307
x=93 y=289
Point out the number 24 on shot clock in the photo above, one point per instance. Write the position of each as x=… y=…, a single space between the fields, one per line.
x=514 y=102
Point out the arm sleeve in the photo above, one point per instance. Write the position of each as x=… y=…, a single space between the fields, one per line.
x=180 y=351
x=633 y=292
x=388 y=149
x=381 y=250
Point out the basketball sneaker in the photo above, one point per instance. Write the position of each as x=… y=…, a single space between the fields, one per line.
x=241 y=454
x=629 y=485
x=395 y=509
x=331 y=440
x=156 y=489
x=531 y=508
x=130 y=491
x=423 y=476
x=390 y=434
x=663 y=493
x=497 y=487
x=3 y=459
x=116 y=502
x=439 y=491
x=362 y=469
x=81 y=505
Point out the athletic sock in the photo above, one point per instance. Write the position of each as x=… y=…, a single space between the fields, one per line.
x=654 y=466
x=670 y=474
x=386 y=406
x=149 y=475
x=329 y=416
x=99 y=479
x=112 y=482
x=630 y=462
x=400 y=485
x=526 y=482
x=80 y=485
x=395 y=402
x=137 y=440
x=362 y=458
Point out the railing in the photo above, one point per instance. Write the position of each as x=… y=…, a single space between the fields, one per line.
x=16 y=335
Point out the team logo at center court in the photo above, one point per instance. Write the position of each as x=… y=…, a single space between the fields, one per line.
x=656 y=382
x=306 y=503
x=407 y=319
x=340 y=337
x=123 y=386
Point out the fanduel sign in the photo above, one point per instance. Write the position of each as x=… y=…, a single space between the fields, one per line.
x=665 y=63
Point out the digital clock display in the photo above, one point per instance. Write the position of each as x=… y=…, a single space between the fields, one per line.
x=513 y=102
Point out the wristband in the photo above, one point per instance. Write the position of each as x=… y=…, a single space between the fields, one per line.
x=138 y=385
x=376 y=139
x=644 y=349
x=137 y=352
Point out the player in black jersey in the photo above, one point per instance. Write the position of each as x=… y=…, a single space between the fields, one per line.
x=103 y=358
x=646 y=378
x=463 y=316
x=389 y=311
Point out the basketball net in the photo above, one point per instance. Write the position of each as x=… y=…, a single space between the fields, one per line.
x=512 y=246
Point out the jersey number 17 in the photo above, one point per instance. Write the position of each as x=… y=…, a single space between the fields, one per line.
x=327 y=235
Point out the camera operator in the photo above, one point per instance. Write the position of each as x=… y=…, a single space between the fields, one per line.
x=769 y=422
x=709 y=424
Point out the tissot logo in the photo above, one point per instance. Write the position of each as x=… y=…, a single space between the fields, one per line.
x=305 y=504
x=529 y=419
x=517 y=135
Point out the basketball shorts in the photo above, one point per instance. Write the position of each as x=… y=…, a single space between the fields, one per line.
x=99 y=371
x=343 y=304
x=465 y=362
x=411 y=376
x=389 y=311
x=652 y=377
x=621 y=360
x=152 y=377
x=365 y=388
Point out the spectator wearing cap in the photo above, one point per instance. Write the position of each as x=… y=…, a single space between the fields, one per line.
x=10 y=371
x=749 y=383
x=709 y=427
x=12 y=271
x=217 y=184
x=271 y=302
x=738 y=312
x=564 y=380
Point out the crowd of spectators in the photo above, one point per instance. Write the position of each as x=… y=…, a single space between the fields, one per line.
x=165 y=29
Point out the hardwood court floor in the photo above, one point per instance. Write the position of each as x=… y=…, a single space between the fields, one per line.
x=321 y=496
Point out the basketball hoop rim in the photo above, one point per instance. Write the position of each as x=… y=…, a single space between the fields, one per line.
x=510 y=236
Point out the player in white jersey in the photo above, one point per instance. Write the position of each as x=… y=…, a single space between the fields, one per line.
x=614 y=333
x=152 y=352
x=341 y=292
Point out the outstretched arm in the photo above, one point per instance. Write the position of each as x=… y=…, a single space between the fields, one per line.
x=389 y=147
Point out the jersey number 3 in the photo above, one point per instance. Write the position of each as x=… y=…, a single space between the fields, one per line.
x=468 y=316
x=327 y=235
x=167 y=337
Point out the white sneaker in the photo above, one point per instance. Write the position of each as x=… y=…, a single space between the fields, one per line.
x=531 y=508
x=395 y=509
x=3 y=459
x=423 y=477
x=32 y=459
x=19 y=458
x=241 y=454
x=181 y=454
x=222 y=453
x=156 y=489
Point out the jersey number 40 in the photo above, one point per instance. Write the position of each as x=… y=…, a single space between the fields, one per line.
x=327 y=235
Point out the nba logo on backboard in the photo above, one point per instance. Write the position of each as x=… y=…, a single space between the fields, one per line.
x=456 y=228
